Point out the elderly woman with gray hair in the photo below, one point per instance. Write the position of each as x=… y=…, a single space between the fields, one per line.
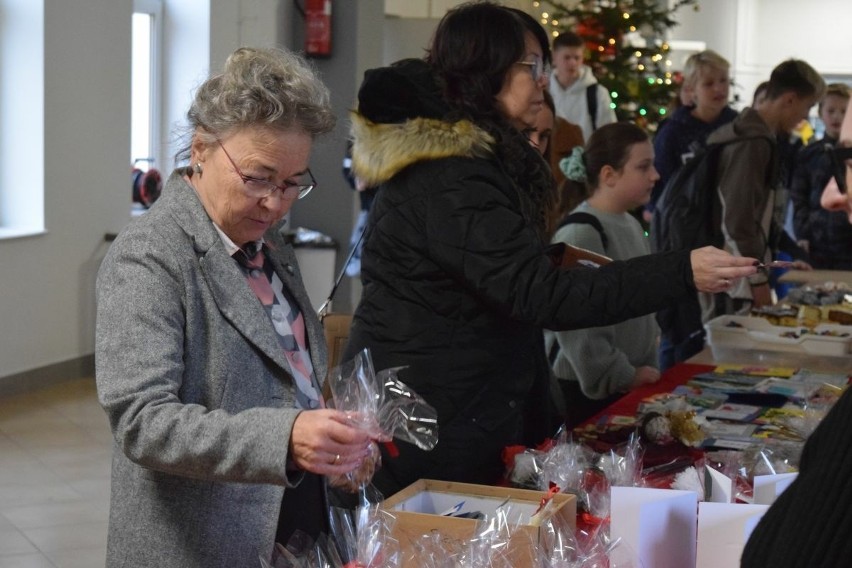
x=208 y=355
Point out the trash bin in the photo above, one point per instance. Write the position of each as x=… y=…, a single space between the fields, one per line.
x=316 y=254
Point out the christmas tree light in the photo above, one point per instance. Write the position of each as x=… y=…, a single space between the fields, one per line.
x=626 y=49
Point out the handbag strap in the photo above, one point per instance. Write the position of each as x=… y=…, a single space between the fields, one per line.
x=323 y=309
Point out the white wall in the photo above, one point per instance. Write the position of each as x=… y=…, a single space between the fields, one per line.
x=756 y=35
x=47 y=301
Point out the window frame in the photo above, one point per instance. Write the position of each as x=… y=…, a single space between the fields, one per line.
x=153 y=8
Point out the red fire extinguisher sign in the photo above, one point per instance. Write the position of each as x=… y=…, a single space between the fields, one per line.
x=318 y=27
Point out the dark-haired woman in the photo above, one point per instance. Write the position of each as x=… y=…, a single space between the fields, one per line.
x=457 y=282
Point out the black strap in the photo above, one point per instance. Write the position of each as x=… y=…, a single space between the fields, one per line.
x=588 y=219
x=592 y=103
x=323 y=309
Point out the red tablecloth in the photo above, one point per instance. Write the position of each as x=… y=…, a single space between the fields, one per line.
x=627 y=405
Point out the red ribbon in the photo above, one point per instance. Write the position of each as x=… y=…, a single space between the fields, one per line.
x=393 y=452
x=554 y=489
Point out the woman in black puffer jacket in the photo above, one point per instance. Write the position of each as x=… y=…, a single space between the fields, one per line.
x=457 y=284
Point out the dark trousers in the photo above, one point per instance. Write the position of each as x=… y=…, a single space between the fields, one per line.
x=303 y=508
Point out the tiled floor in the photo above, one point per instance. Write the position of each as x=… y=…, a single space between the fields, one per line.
x=55 y=449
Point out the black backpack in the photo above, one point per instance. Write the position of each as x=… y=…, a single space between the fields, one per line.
x=688 y=214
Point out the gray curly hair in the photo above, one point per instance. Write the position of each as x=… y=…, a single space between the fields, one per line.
x=261 y=87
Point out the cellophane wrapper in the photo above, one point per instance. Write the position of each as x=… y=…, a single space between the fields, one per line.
x=576 y=468
x=382 y=405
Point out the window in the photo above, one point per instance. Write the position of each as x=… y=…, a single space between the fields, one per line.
x=22 y=117
x=145 y=73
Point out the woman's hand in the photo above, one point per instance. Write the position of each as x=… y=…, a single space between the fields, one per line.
x=714 y=270
x=645 y=376
x=324 y=442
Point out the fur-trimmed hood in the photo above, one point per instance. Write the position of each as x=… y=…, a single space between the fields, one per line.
x=380 y=151
x=402 y=119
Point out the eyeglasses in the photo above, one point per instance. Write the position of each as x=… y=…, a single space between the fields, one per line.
x=838 y=158
x=260 y=188
x=538 y=68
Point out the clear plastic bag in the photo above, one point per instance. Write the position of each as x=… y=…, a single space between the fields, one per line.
x=385 y=407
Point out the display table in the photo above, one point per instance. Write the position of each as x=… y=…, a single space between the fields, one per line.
x=816 y=276
x=707 y=360
x=627 y=405
x=718 y=356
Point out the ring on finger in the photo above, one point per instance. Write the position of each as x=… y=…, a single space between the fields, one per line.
x=336 y=459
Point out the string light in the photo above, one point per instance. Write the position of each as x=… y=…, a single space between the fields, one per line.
x=651 y=64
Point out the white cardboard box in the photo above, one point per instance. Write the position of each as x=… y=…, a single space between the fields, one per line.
x=417 y=510
x=745 y=332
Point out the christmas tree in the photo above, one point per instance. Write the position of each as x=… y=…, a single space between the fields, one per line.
x=627 y=50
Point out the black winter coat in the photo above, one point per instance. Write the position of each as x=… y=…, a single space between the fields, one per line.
x=457 y=286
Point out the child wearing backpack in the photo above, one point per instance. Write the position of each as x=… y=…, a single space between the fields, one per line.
x=740 y=211
x=827 y=235
x=706 y=86
x=579 y=98
x=749 y=173
x=599 y=364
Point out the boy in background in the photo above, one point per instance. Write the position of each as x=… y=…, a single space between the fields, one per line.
x=706 y=88
x=826 y=235
x=578 y=97
x=749 y=176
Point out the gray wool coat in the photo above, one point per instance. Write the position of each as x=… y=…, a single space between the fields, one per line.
x=198 y=392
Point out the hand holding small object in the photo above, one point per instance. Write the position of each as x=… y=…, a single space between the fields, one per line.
x=714 y=270
x=323 y=442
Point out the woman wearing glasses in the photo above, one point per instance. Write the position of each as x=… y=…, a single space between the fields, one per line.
x=209 y=356
x=457 y=282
